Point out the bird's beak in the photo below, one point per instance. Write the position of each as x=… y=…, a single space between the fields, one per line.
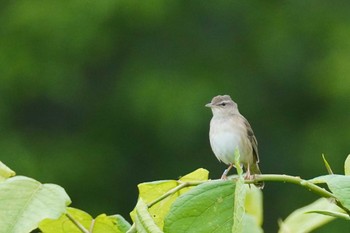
x=209 y=105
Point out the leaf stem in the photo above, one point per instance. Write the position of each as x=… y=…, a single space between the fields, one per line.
x=174 y=190
x=77 y=224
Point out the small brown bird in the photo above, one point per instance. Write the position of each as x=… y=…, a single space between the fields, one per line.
x=229 y=130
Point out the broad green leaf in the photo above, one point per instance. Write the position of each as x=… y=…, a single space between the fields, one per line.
x=5 y=172
x=151 y=191
x=339 y=185
x=64 y=224
x=206 y=208
x=143 y=220
x=332 y=214
x=300 y=221
x=347 y=166
x=24 y=202
x=102 y=224
x=328 y=167
x=254 y=203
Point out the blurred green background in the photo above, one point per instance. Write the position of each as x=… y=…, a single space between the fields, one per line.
x=98 y=96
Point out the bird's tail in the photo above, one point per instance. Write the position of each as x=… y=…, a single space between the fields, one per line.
x=255 y=170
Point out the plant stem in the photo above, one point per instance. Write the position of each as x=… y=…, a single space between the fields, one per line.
x=265 y=177
x=294 y=180
x=77 y=224
x=297 y=180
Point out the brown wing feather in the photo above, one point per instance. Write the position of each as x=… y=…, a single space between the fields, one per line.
x=253 y=141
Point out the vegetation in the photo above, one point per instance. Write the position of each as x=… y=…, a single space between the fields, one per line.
x=99 y=96
x=191 y=204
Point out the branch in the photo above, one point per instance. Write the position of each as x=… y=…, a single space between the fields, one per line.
x=297 y=180
x=266 y=177
x=294 y=180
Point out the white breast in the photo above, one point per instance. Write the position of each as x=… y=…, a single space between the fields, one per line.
x=227 y=135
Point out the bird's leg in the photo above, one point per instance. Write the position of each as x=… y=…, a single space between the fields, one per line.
x=248 y=176
x=224 y=175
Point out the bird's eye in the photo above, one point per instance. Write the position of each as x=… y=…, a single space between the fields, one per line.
x=223 y=104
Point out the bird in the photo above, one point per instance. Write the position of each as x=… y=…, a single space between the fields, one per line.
x=230 y=131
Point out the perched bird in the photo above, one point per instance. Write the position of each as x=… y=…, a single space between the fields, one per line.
x=229 y=130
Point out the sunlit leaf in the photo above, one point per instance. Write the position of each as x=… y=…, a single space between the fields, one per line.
x=237 y=163
x=5 y=172
x=301 y=221
x=250 y=225
x=150 y=191
x=24 y=202
x=254 y=203
x=64 y=224
x=347 y=166
x=197 y=175
x=102 y=224
x=110 y=224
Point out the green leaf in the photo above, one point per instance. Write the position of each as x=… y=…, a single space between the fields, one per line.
x=110 y=224
x=239 y=208
x=143 y=220
x=347 y=166
x=150 y=191
x=5 y=172
x=339 y=185
x=64 y=224
x=121 y=223
x=303 y=221
x=24 y=202
x=197 y=175
x=332 y=214
x=254 y=203
x=329 y=169
x=237 y=163
x=206 y=208
x=102 y=224
x=250 y=225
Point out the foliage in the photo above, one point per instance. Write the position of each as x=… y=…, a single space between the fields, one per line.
x=191 y=204
x=94 y=90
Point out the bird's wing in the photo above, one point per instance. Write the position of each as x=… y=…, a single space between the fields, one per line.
x=252 y=140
